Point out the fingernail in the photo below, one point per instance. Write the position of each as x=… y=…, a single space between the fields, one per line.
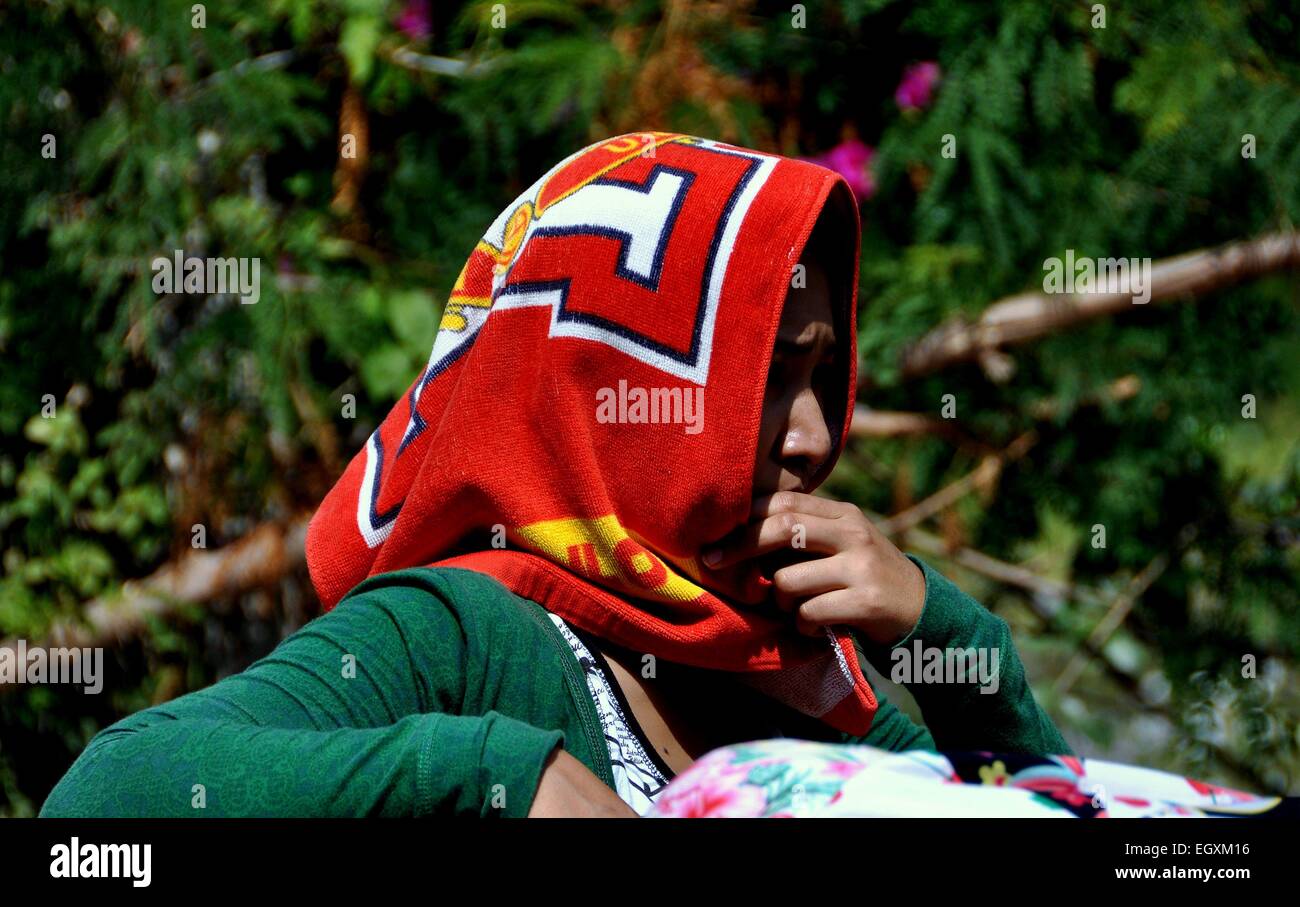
x=712 y=556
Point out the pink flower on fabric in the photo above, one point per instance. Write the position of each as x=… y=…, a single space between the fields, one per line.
x=1217 y=792
x=713 y=787
x=712 y=797
x=916 y=89
x=1060 y=789
x=414 y=19
x=852 y=160
x=844 y=770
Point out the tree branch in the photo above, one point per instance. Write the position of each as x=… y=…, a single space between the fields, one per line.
x=881 y=423
x=255 y=560
x=1043 y=589
x=1031 y=316
x=1119 y=610
x=442 y=66
x=981 y=477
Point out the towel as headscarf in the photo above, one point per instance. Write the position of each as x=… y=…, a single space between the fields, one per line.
x=588 y=418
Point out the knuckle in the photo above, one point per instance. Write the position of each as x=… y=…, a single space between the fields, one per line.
x=873 y=600
x=860 y=533
x=788 y=523
x=860 y=576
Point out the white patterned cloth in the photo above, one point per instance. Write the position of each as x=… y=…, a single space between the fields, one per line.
x=638 y=775
x=799 y=778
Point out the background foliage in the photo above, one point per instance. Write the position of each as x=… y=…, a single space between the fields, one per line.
x=181 y=410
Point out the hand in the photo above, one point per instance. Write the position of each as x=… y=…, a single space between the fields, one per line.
x=863 y=581
x=568 y=789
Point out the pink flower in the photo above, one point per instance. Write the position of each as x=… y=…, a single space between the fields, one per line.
x=844 y=770
x=713 y=787
x=1133 y=801
x=917 y=87
x=1059 y=789
x=852 y=160
x=708 y=799
x=414 y=20
x=1217 y=793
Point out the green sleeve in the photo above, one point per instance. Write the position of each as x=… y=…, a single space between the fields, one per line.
x=1000 y=715
x=356 y=714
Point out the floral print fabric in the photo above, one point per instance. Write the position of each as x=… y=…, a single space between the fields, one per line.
x=792 y=778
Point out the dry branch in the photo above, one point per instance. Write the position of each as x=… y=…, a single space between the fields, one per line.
x=1110 y=622
x=1030 y=316
x=982 y=476
x=1042 y=588
x=882 y=423
x=1117 y=391
x=1119 y=610
x=256 y=560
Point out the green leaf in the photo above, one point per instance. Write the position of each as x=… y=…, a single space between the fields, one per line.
x=411 y=313
x=386 y=372
x=359 y=38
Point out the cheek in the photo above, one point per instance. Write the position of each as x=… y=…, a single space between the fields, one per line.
x=775 y=414
x=763 y=453
x=778 y=411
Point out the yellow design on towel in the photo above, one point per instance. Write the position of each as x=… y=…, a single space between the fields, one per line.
x=602 y=549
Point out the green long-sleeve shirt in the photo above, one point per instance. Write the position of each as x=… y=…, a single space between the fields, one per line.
x=438 y=691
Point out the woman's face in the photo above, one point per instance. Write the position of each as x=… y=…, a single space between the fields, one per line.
x=794 y=440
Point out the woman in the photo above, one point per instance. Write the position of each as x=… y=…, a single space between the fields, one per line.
x=582 y=551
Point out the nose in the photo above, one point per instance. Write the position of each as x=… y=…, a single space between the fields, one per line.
x=807 y=443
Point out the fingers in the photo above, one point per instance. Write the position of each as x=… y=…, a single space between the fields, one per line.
x=778 y=531
x=797 y=502
x=797 y=582
x=820 y=611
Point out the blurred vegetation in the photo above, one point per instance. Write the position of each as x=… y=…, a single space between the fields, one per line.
x=175 y=410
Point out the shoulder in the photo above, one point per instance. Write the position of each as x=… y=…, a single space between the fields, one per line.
x=439 y=594
x=448 y=584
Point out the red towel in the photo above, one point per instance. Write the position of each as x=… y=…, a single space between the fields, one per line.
x=554 y=439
